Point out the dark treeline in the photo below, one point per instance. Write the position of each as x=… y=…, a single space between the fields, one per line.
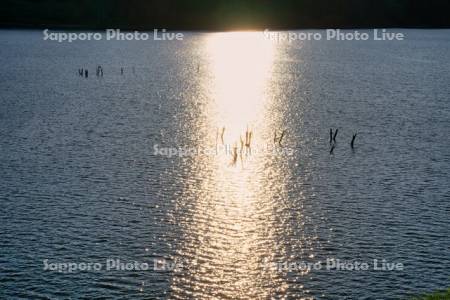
x=225 y=14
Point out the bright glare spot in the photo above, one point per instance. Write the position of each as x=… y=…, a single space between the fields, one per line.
x=241 y=63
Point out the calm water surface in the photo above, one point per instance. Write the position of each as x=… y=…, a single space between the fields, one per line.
x=81 y=181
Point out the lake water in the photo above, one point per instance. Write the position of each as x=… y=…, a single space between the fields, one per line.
x=84 y=176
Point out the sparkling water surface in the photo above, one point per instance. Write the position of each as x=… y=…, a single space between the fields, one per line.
x=84 y=177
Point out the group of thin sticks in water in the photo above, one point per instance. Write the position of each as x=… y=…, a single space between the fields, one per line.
x=245 y=143
x=333 y=140
x=99 y=71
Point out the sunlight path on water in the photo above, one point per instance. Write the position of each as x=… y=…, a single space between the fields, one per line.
x=227 y=213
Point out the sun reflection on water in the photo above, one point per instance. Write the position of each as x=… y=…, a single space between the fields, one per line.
x=241 y=65
x=226 y=211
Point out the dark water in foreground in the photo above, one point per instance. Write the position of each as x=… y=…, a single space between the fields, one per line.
x=80 y=180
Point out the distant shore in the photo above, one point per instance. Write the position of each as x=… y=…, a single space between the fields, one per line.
x=224 y=15
x=127 y=28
